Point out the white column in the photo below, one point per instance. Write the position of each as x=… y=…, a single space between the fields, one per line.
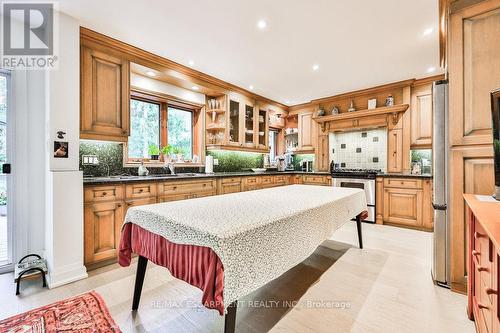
x=64 y=184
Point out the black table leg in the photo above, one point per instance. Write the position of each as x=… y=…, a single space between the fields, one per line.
x=360 y=236
x=139 y=279
x=230 y=318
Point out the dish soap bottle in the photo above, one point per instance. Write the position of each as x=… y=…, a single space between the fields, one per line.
x=142 y=171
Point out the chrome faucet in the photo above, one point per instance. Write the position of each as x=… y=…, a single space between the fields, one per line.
x=171 y=167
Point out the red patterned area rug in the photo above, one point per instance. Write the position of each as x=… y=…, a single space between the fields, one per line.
x=84 y=314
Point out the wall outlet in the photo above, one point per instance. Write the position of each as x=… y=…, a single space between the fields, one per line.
x=90 y=160
x=216 y=161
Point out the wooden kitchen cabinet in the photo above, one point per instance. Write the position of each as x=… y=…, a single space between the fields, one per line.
x=405 y=202
x=403 y=206
x=102 y=226
x=421 y=116
x=483 y=255
x=305 y=125
x=395 y=150
x=105 y=95
x=229 y=185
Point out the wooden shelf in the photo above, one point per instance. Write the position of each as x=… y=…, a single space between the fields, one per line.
x=363 y=113
x=216 y=111
x=218 y=128
x=236 y=148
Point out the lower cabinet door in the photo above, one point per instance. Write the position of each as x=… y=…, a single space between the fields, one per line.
x=102 y=226
x=403 y=206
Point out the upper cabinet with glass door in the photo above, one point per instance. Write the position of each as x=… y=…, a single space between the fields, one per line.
x=234 y=127
x=247 y=126
x=249 y=123
x=263 y=129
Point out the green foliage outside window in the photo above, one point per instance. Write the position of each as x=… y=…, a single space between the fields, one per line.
x=144 y=128
x=180 y=132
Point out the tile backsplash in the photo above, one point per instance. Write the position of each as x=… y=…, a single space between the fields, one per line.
x=361 y=149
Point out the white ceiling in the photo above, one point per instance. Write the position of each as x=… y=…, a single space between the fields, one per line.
x=356 y=43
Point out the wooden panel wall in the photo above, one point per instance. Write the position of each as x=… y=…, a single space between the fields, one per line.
x=474 y=71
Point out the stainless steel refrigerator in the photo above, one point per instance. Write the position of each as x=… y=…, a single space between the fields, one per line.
x=441 y=237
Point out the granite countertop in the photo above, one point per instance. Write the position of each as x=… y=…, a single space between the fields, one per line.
x=403 y=175
x=183 y=176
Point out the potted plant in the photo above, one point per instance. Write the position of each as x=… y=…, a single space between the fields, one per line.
x=154 y=152
x=178 y=153
x=167 y=153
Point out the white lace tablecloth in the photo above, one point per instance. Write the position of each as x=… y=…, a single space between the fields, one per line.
x=258 y=235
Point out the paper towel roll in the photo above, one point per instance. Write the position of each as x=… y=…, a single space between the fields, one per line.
x=209 y=164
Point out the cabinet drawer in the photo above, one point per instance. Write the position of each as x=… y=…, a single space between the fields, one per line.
x=184 y=196
x=142 y=190
x=231 y=180
x=266 y=180
x=171 y=188
x=313 y=180
x=103 y=193
x=140 y=202
x=402 y=182
x=249 y=181
x=482 y=255
x=280 y=180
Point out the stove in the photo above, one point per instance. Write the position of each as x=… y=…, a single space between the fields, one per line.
x=361 y=173
x=363 y=179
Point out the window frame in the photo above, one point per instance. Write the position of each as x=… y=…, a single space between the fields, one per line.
x=165 y=102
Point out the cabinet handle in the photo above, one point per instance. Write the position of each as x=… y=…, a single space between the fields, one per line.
x=104 y=194
x=175 y=187
x=476 y=253
x=482 y=269
x=119 y=205
x=482 y=306
x=490 y=291
x=128 y=204
x=140 y=190
x=478 y=235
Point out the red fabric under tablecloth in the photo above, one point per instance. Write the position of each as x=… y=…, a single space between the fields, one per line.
x=197 y=265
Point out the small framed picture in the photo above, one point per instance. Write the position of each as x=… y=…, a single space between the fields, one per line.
x=372 y=103
x=61 y=149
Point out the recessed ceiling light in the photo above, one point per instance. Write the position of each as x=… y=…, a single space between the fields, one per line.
x=150 y=73
x=195 y=88
x=428 y=31
x=250 y=87
x=191 y=63
x=431 y=69
x=315 y=67
x=261 y=24
x=287 y=102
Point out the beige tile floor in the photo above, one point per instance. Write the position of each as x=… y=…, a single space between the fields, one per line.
x=384 y=288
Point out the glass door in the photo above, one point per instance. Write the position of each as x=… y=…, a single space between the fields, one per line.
x=5 y=226
x=234 y=122
x=249 y=125
x=263 y=124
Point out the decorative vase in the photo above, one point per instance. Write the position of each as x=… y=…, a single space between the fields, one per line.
x=351 y=106
x=389 y=101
